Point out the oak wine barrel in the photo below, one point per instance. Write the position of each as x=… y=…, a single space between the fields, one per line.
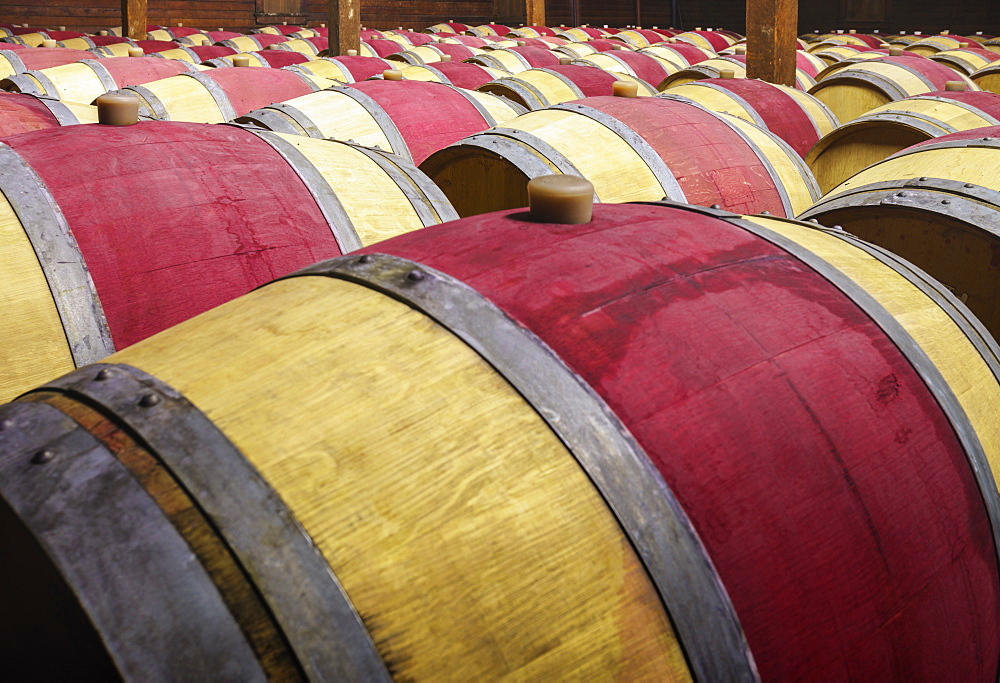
x=538 y=88
x=600 y=425
x=113 y=233
x=21 y=113
x=461 y=74
x=345 y=68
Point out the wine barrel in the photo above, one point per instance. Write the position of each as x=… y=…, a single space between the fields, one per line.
x=18 y=61
x=794 y=116
x=988 y=77
x=576 y=50
x=251 y=43
x=631 y=150
x=461 y=74
x=279 y=29
x=36 y=38
x=22 y=113
x=681 y=54
x=709 y=40
x=468 y=41
x=640 y=38
x=411 y=119
x=379 y=48
x=113 y=233
x=311 y=47
x=88 y=79
x=835 y=54
x=580 y=495
x=489 y=30
x=265 y=58
x=935 y=204
x=714 y=68
x=966 y=60
x=220 y=95
x=582 y=34
x=647 y=67
x=892 y=127
x=514 y=60
x=534 y=32
x=448 y=27
x=433 y=54
x=930 y=45
x=537 y=88
x=409 y=38
x=859 y=88
x=345 y=69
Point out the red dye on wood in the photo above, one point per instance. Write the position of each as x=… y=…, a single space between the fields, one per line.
x=463 y=74
x=280 y=58
x=249 y=89
x=207 y=52
x=645 y=67
x=591 y=81
x=151 y=46
x=429 y=116
x=36 y=58
x=268 y=39
x=176 y=218
x=22 y=113
x=138 y=70
x=383 y=48
x=537 y=57
x=822 y=476
x=456 y=52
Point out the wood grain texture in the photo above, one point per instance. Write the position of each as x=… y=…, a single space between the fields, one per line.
x=819 y=471
x=772 y=28
x=484 y=552
x=22 y=113
x=377 y=206
x=134 y=18
x=344 y=22
x=184 y=99
x=210 y=550
x=217 y=213
x=249 y=89
x=34 y=348
x=961 y=365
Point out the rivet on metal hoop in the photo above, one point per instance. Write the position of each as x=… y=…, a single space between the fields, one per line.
x=415 y=275
x=103 y=375
x=43 y=456
x=149 y=400
x=367 y=258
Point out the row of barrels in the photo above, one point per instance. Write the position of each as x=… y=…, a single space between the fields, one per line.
x=519 y=444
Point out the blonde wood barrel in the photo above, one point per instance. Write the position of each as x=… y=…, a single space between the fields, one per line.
x=538 y=88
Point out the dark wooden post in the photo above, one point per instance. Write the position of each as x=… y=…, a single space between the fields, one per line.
x=534 y=12
x=134 y=19
x=772 y=29
x=345 y=26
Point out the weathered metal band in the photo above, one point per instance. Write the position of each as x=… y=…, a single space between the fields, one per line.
x=340 y=65
x=102 y=73
x=336 y=215
x=160 y=617
x=487 y=117
x=972 y=109
x=664 y=176
x=15 y=61
x=194 y=55
x=438 y=73
x=925 y=124
x=298 y=72
x=917 y=357
x=779 y=185
x=646 y=509
x=226 y=109
x=316 y=616
x=282 y=117
x=529 y=94
x=972 y=204
x=58 y=253
x=381 y=117
x=428 y=201
x=150 y=105
x=260 y=46
x=498 y=140
x=63 y=114
x=26 y=83
x=874 y=81
x=983 y=142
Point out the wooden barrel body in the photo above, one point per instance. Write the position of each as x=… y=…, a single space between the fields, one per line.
x=468 y=41
x=489 y=30
x=174 y=219
x=631 y=150
x=514 y=60
x=345 y=69
x=832 y=54
x=278 y=30
x=647 y=67
x=600 y=423
x=249 y=43
x=534 y=32
x=22 y=113
x=713 y=68
x=88 y=79
x=639 y=38
x=307 y=46
x=448 y=27
x=967 y=60
x=681 y=54
x=274 y=59
x=151 y=46
x=892 y=127
x=988 y=77
x=220 y=95
x=461 y=74
x=711 y=40
x=935 y=204
x=538 y=88
x=933 y=44
x=412 y=119
x=859 y=88
x=19 y=61
x=379 y=48
x=433 y=54
x=794 y=116
x=583 y=49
